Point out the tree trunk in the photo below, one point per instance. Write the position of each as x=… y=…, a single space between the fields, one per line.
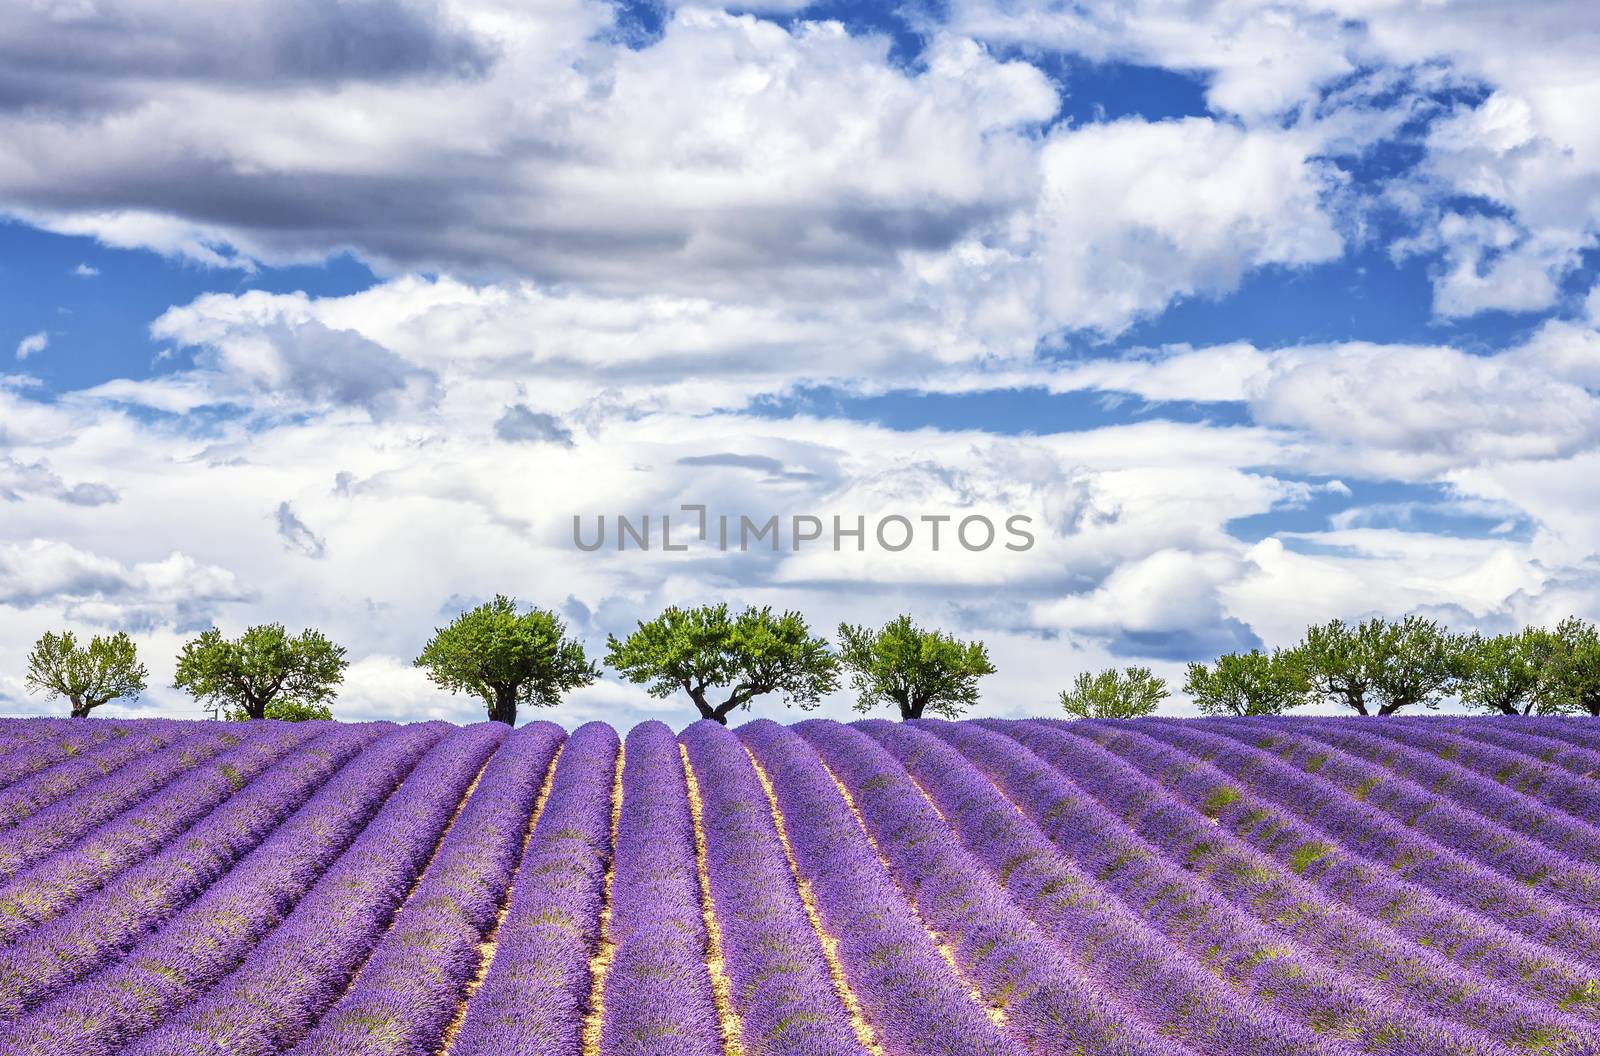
x=911 y=709
x=80 y=707
x=504 y=707
x=706 y=710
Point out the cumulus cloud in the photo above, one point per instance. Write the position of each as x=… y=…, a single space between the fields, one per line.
x=85 y=271
x=1517 y=136
x=1164 y=605
x=103 y=591
x=1135 y=213
x=272 y=352
x=1406 y=410
x=33 y=344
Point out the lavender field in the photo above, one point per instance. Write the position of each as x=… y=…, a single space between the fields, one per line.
x=1415 y=887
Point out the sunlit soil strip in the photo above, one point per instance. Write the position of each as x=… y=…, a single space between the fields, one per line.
x=996 y=1015
x=830 y=945
x=716 y=966
x=605 y=950
x=931 y=804
x=487 y=947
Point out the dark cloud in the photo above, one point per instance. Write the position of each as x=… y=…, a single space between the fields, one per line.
x=1227 y=635
x=304 y=362
x=523 y=425
x=297 y=537
x=771 y=467
x=21 y=479
x=90 y=62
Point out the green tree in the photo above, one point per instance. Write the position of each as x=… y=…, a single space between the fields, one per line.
x=85 y=676
x=1128 y=694
x=1379 y=664
x=745 y=656
x=914 y=669
x=507 y=657
x=1504 y=674
x=1253 y=683
x=1571 y=682
x=264 y=673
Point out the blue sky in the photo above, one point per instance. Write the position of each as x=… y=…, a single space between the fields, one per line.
x=339 y=314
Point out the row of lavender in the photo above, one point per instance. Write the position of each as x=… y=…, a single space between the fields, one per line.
x=1158 y=887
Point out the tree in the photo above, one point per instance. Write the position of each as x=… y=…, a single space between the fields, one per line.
x=1412 y=663
x=1113 y=694
x=1571 y=681
x=1504 y=674
x=703 y=649
x=263 y=674
x=87 y=676
x=508 y=658
x=903 y=664
x=1253 y=683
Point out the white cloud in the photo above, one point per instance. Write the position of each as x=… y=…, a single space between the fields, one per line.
x=102 y=590
x=85 y=271
x=1134 y=214
x=1409 y=411
x=33 y=344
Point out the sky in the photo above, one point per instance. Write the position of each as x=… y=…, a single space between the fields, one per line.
x=337 y=313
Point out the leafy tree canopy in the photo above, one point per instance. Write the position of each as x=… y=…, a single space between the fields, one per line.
x=262 y=669
x=85 y=676
x=1112 y=694
x=1382 y=664
x=1571 y=681
x=285 y=711
x=507 y=657
x=1505 y=673
x=1253 y=683
x=912 y=668
x=707 y=649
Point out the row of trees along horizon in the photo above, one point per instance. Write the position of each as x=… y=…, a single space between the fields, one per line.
x=722 y=660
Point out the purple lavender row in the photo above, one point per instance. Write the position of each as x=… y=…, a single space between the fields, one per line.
x=53 y=741
x=905 y=987
x=536 y=992
x=1502 y=772
x=48 y=888
x=782 y=990
x=33 y=794
x=67 y=821
x=1190 y=809
x=1410 y=855
x=1402 y=775
x=1549 y=925
x=1116 y=949
x=1251 y=957
x=405 y=995
x=299 y=968
x=1549 y=756
x=202 y=939
x=658 y=999
x=1275 y=894
x=1581 y=732
x=1048 y=999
